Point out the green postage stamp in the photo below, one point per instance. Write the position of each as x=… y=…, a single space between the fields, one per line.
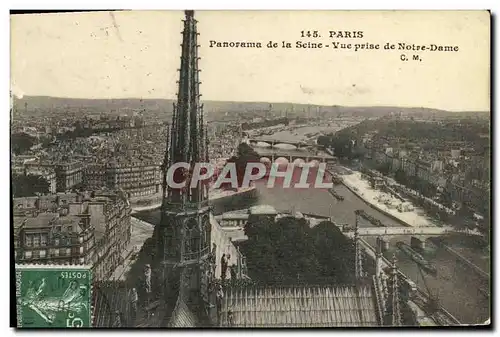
x=53 y=296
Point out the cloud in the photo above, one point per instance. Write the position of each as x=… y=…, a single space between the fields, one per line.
x=306 y=90
x=353 y=90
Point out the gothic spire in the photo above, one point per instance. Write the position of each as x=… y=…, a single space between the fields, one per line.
x=184 y=233
x=187 y=139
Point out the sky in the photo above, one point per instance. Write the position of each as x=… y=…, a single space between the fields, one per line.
x=137 y=53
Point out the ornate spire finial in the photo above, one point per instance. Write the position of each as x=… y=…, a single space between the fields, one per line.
x=394 y=261
x=358 y=258
x=394 y=315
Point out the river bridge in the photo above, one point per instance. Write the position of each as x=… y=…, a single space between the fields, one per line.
x=300 y=152
x=394 y=231
x=240 y=219
x=273 y=142
x=303 y=157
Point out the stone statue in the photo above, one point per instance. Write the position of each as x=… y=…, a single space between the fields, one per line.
x=147 y=279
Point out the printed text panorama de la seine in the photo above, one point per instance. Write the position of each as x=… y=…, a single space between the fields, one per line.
x=347 y=41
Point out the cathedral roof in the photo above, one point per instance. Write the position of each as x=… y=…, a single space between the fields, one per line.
x=296 y=306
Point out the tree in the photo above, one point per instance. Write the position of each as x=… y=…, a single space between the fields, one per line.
x=80 y=187
x=359 y=152
x=324 y=140
x=384 y=168
x=287 y=251
x=335 y=253
x=446 y=198
x=400 y=177
x=21 y=142
x=260 y=249
x=245 y=154
x=29 y=185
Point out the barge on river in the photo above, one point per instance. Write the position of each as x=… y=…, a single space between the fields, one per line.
x=417 y=258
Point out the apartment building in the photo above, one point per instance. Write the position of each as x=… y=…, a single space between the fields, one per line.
x=136 y=178
x=92 y=229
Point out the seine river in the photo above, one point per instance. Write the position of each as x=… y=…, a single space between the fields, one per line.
x=456 y=287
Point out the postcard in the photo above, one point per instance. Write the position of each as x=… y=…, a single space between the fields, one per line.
x=251 y=169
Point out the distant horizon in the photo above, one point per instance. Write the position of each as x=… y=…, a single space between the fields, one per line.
x=254 y=102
